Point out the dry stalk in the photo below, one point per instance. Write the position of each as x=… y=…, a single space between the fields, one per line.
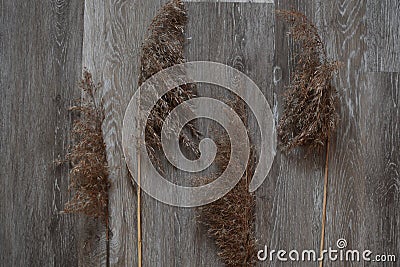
x=310 y=113
x=89 y=173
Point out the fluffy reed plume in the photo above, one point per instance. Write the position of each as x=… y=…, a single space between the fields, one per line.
x=89 y=174
x=164 y=48
x=230 y=220
x=310 y=114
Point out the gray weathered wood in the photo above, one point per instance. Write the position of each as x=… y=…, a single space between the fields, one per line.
x=364 y=160
x=41 y=56
x=346 y=208
x=220 y=32
x=94 y=41
x=114 y=32
x=380 y=135
x=290 y=214
x=40 y=46
x=106 y=54
x=383 y=35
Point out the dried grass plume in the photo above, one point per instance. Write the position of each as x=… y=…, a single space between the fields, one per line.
x=230 y=220
x=89 y=173
x=310 y=113
x=163 y=48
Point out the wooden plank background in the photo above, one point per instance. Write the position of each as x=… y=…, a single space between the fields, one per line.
x=43 y=47
x=382 y=34
x=41 y=61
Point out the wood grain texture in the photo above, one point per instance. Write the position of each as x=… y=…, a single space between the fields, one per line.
x=96 y=246
x=41 y=54
x=220 y=32
x=289 y=216
x=346 y=209
x=114 y=32
x=380 y=128
x=40 y=46
x=362 y=201
x=383 y=35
